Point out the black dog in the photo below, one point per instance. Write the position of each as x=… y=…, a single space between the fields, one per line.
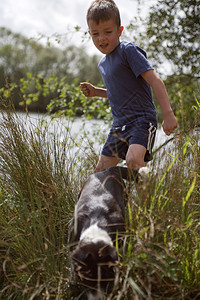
x=99 y=216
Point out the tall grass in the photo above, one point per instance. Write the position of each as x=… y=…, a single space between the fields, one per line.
x=38 y=189
x=40 y=178
x=161 y=254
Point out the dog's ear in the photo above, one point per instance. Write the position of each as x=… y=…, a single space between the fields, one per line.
x=87 y=254
x=80 y=255
x=108 y=253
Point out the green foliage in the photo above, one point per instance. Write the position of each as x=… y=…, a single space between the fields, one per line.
x=60 y=97
x=20 y=57
x=182 y=90
x=173 y=32
x=71 y=102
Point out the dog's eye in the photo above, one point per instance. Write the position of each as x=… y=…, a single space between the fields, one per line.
x=78 y=268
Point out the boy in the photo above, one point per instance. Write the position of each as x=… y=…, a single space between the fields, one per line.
x=128 y=76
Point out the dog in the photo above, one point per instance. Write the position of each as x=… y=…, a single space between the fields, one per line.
x=99 y=216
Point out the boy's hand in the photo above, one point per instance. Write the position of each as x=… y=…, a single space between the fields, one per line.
x=88 y=89
x=169 y=123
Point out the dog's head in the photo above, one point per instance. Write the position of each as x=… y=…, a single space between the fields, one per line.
x=94 y=264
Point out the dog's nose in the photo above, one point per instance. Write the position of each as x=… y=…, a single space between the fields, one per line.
x=108 y=253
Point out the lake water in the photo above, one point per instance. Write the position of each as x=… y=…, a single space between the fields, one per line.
x=83 y=128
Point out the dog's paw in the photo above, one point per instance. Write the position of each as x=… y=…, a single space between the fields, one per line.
x=96 y=296
x=143 y=176
x=142 y=181
x=144 y=172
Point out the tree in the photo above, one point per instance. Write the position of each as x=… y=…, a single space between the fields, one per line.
x=21 y=57
x=173 y=32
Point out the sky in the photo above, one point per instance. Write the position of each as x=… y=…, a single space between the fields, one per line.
x=34 y=18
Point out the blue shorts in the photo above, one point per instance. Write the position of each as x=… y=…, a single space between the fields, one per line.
x=120 y=138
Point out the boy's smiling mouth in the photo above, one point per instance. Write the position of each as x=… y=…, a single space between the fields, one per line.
x=103 y=46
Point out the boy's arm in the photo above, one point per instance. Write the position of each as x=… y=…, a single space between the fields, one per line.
x=169 y=121
x=90 y=90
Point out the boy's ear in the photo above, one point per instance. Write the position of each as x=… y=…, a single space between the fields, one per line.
x=121 y=28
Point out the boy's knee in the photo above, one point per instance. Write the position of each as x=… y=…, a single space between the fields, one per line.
x=135 y=156
x=106 y=162
x=98 y=169
x=134 y=162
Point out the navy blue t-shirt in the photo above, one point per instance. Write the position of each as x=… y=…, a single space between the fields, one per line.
x=129 y=94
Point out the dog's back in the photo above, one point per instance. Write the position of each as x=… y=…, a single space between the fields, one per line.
x=99 y=215
x=101 y=200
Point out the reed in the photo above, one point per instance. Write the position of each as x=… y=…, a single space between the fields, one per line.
x=164 y=229
x=40 y=179
x=38 y=188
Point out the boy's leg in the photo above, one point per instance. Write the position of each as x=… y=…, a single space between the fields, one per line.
x=106 y=162
x=135 y=160
x=135 y=156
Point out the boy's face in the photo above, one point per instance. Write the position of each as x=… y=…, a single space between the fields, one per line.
x=105 y=35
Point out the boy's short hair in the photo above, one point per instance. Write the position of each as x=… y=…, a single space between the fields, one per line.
x=103 y=10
